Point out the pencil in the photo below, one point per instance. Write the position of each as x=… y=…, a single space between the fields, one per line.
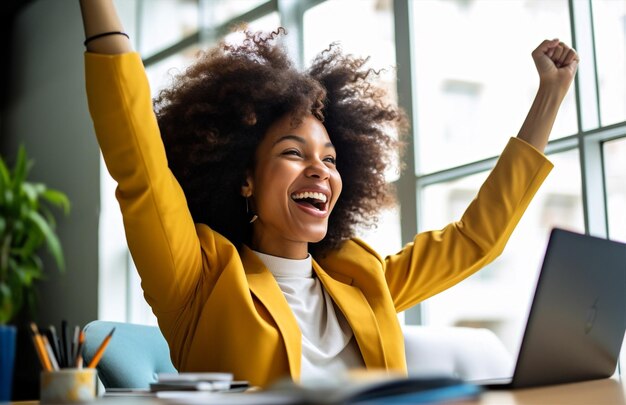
x=41 y=351
x=96 y=357
x=53 y=360
x=37 y=349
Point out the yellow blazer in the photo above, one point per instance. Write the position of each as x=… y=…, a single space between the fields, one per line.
x=218 y=307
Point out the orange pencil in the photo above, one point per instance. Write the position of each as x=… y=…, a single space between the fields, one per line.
x=39 y=346
x=37 y=350
x=96 y=357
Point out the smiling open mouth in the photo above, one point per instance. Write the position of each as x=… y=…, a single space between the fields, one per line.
x=311 y=199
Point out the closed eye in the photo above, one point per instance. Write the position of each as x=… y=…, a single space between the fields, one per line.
x=292 y=152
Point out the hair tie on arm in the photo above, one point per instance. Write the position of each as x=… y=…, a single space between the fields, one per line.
x=104 y=34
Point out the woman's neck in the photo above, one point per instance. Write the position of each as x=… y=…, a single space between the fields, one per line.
x=280 y=248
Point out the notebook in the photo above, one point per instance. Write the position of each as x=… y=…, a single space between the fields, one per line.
x=577 y=320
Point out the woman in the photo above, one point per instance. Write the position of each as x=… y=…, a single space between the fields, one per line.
x=253 y=165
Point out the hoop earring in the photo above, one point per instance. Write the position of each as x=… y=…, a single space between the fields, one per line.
x=248 y=212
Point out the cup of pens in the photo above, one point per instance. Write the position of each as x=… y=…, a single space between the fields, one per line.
x=63 y=378
x=68 y=385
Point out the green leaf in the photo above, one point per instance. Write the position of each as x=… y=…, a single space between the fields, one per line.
x=5 y=180
x=22 y=167
x=30 y=191
x=8 y=197
x=57 y=198
x=27 y=249
x=26 y=274
x=54 y=246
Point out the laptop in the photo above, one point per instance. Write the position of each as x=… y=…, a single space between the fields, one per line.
x=577 y=320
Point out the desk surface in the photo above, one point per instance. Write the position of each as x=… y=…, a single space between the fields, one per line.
x=608 y=391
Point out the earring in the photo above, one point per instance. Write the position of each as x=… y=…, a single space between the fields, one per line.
x=254 y=216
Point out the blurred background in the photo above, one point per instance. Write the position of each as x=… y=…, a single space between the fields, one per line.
x=461 y=69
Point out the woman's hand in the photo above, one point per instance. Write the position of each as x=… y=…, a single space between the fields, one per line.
x=556 y=64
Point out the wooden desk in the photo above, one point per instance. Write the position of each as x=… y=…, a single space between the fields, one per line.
x=599 y=392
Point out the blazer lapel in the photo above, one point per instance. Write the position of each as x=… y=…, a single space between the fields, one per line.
x=264 y=286
x=356 y=309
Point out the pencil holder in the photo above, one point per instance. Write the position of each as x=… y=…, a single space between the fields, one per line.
x=68 y=385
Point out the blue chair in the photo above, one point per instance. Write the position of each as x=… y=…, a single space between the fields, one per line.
x=134 y=356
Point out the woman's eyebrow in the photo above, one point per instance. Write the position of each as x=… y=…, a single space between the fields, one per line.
x=298 y=139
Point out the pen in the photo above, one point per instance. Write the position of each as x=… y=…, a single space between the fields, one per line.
x=74 y=346
x=101 y=349
x=54 y=342
x=79 y=350
x=65 y=344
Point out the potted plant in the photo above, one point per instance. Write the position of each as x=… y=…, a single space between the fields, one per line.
x=25 y=225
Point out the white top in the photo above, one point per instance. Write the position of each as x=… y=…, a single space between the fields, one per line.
x=328 y=343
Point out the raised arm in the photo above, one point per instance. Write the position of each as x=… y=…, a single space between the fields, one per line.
x=160 y=230
x=437 y=260
x=556 y=64
x=99 y=17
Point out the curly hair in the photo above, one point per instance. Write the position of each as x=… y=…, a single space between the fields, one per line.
x=217 y=111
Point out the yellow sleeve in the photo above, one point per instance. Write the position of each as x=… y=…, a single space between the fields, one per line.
x=437 y=260
x=159 y=228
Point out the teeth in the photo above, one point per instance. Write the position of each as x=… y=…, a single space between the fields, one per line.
x=316 y=196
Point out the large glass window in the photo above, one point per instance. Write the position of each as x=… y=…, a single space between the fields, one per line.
x=610 y=34
x=161 y=73
x=219 y=12
x=369 y=34
x=615 y=179
x=474 y=76
x=165 y=22
x=498 y=296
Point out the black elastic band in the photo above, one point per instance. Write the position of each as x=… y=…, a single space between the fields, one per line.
x=104 y=34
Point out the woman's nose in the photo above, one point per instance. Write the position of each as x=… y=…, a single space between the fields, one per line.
x=317 y=169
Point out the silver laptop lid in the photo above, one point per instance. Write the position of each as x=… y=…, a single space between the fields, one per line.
x=577 y=320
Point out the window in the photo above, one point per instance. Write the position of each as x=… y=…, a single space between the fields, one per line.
x=472 y=88
x=498 y=296
x=474 y=77
x=615 y=178
x=164 y=22
x=610 y=45
x=369 y=34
